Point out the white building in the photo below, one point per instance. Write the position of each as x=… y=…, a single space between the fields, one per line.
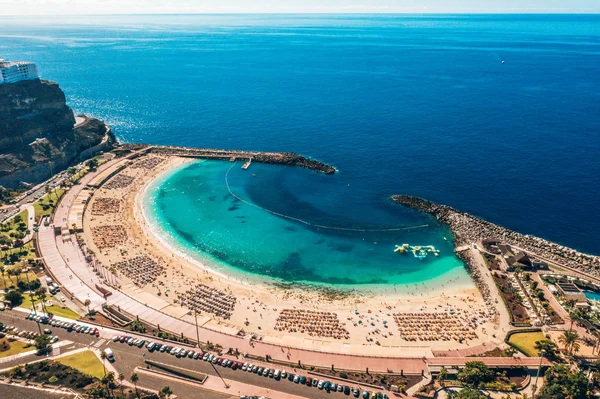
x=11 y=72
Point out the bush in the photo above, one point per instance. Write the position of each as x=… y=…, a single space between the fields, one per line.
x=14 y=297
x=343 y=375
x=52 y=379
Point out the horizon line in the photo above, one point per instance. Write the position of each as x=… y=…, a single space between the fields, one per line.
x=549 y=12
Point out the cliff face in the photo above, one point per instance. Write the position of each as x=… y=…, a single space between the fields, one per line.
x=38 y=134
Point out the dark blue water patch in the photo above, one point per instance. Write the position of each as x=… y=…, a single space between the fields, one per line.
x=418 y=105
x=233 y=208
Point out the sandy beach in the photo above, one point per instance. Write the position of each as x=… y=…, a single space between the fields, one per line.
x=147 y=267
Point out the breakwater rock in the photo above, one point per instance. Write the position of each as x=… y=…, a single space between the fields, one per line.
x=278 y=158
x=468 y=229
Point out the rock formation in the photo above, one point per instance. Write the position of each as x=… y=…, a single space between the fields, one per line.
x=468 y=229
x=38 y=135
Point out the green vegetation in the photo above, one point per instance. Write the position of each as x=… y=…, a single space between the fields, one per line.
x=62 y=312
x=7 y=195
x=46 y=205
x=56 y=310
x=42 y=344
x=13 y=255
x=469 y=393
x=14 y=297
x=562 y=382
x=86 y=362
x=475 y=374
x=547 y=348
x=12 y=348
x=570 y=340
x=53 y=372
x=525 y=342
x=14 y=229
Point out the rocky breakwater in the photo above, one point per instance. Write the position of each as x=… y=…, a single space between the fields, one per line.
x=279 y=158
x=38 y=135
x=469 y=229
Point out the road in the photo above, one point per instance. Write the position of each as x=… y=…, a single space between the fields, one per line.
x=127 y=358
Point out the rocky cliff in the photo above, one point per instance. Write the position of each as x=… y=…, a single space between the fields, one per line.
x=38 y=135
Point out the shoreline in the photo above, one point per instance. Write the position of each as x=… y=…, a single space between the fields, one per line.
x=259 y=306
x=440 y=284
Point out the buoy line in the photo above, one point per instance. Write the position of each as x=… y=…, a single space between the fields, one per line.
x=306 y=222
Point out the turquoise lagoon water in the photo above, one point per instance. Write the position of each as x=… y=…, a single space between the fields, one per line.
x=195 y=212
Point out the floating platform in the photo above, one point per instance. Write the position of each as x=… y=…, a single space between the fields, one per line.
x=419 y=252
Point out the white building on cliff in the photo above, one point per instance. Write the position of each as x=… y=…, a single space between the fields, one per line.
x=11 y=72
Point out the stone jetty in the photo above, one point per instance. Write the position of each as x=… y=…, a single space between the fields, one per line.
x=468 y=229
x=278 y=158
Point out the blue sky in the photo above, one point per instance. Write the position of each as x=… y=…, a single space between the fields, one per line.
x=37 y=7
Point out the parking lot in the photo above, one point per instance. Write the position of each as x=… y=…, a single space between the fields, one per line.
x=128 y=355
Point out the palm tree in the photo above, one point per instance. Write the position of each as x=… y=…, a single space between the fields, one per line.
x=570 y=340
x=442 y=375
x=41 y=294
x=121 y=378
x=3 y=271
x=87 y=303
x=110 y=378
x=575 y=316
x=16 y=271
x=165 y=392
x=103 y=357
x=135 y=379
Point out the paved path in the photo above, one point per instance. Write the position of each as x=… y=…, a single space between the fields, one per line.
x=504 y=316
x=30 y=223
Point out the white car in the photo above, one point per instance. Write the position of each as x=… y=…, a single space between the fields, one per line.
x=245 y=366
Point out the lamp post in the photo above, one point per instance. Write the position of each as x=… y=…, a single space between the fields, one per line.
x=197 y=332
x=542 y=352
x=216 y=371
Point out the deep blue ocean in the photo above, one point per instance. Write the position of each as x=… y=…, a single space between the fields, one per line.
x=497 y=115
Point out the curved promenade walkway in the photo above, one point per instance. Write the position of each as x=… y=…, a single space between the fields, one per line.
x=66 y=262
